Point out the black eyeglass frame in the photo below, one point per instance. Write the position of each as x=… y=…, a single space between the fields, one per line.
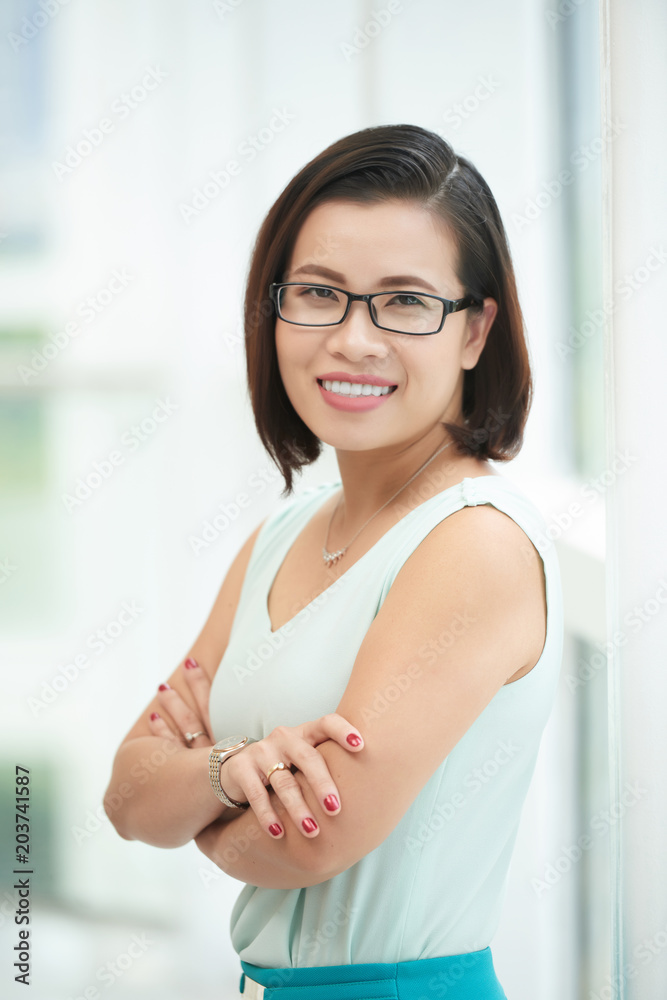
x=449 y=305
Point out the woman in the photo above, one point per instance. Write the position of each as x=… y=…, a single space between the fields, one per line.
x=403 y=607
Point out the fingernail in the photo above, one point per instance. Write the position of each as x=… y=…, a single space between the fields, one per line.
x=309 y=824
x=154 y=716
x=332 y=803
x=164 y=687
x=190 y=664
x=275 y=830
x=354 y=740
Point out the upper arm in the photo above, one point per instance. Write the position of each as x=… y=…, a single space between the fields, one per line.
x=452 y=629
x=211 y=643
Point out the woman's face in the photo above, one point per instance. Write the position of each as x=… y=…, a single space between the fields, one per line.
x=390 y=245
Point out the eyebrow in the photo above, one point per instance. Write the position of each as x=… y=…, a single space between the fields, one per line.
x=393 y=281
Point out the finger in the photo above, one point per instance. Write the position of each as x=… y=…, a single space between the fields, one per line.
x=255 y=793
x=182 y=715
x=314 y=768
x=159 y=727
x=333 y=727
x=289 y=792
x=247 y=771
x=200 y=686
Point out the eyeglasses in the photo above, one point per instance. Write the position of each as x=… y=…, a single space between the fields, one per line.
x=398 y=312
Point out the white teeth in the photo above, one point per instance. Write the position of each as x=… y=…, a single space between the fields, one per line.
x=356 y=388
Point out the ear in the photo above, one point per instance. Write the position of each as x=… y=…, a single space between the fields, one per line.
x=478 y=327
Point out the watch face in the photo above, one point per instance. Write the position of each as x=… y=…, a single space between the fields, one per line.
x=230 y=742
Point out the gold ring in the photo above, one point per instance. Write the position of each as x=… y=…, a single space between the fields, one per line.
x=276 y=767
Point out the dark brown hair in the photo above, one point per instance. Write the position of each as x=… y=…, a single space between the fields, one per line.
x=403 y=162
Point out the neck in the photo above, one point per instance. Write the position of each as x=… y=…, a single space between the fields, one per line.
x=370 y=478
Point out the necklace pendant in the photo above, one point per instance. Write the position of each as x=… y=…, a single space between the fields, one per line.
x=331 y=558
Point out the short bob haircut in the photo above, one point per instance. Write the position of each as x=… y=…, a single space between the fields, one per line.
x=377 y=164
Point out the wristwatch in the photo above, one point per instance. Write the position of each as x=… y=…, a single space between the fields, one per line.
x=216 y=758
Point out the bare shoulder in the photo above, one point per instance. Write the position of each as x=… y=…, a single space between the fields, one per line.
x=488 y=535
x=478 y=558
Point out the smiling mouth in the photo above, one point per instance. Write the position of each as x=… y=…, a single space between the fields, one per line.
x=355 y=389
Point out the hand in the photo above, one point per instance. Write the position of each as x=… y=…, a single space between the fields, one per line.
x=176 y=718
x=243 y=776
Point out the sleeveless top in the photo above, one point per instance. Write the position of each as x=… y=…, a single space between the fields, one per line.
x=436 y=884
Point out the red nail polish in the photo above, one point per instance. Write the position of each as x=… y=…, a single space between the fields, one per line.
x=331 y=802
x=275 y=830
x=154 y=716
x=164 y=687
x=309 y=824
x=353 y=740
x=190 y=664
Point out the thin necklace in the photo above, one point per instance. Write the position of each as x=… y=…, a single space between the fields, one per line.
x=331 y=558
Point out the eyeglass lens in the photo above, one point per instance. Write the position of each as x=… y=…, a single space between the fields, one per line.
x=317 y=305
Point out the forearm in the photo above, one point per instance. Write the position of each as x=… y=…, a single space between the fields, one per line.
x=238 y=845
x=160 y=792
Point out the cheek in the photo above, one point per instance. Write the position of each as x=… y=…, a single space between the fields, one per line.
x=284 y=350
x=431 y=374
x=424 y=365
x=292 y=352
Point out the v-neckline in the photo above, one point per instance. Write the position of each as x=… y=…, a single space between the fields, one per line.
x=302 y=527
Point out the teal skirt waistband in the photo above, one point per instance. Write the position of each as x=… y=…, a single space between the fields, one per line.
x=469 y=976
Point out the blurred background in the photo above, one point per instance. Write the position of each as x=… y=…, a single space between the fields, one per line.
x=126 y=434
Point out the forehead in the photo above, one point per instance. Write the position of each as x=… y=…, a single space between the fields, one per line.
x=379 y=238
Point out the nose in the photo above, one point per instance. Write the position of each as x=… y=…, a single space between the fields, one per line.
x=357 y=335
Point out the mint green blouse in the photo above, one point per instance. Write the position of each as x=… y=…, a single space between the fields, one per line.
x=435 y=886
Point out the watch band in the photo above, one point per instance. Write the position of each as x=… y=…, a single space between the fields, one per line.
x=216 y=758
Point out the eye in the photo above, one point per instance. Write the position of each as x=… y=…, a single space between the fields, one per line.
x=318 y=292
x=405 y=299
